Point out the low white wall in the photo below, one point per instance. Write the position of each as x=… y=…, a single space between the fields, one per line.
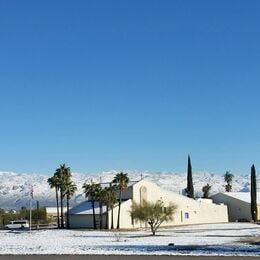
x=85 y=221
x=81 y=221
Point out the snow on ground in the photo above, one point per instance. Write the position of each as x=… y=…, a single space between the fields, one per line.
x=211 y=239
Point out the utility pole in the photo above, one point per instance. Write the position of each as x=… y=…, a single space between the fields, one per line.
x=37 y=203
x=31 y=199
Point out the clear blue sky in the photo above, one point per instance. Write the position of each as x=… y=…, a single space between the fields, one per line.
x=135 y=85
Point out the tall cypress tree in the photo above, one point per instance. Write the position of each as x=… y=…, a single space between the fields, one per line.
x=253 y=194
x=190 y=190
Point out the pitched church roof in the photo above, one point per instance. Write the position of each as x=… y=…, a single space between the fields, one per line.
x=243 y=196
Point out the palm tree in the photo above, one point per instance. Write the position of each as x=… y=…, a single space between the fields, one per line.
x=100 y=197
x=228 y=177
x=107 y=197
x=105 y=200
x=206 y=190
x=53 y=182
x=91 y=190
x=121 y=182
x=112 y=201
x=63 y=175
x=71 y=188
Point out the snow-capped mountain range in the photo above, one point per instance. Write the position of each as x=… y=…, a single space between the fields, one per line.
x=15 y=188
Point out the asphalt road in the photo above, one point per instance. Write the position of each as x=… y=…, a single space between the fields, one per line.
x=119 y=257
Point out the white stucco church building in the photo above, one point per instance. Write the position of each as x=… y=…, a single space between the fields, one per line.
x=239 y=205
x=189 y=211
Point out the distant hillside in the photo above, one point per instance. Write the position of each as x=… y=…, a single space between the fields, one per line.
x=15 y=188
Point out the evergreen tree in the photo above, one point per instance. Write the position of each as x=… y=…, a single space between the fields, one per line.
x=190 y=189
x=253 y=194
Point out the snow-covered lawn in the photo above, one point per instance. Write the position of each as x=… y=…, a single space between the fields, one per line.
x=212 y=239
